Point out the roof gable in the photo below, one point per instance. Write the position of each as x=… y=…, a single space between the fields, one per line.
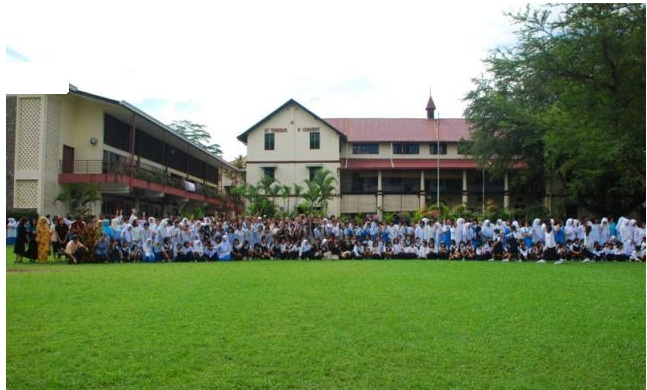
x=243 y=137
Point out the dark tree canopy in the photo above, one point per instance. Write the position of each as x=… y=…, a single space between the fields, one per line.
x=196 y=133
x=568 y=102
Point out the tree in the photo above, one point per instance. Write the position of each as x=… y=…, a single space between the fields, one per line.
x=567 y=101
x=320 y=190
x=286 y=192
x=76 y=197
x=240 y=163
x=197 y=134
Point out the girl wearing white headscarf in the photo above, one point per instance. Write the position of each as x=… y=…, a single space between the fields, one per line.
x=603 y=231
x=148 y=254
x=538 y=232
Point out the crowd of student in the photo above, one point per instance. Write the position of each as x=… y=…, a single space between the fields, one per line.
x=136 y=238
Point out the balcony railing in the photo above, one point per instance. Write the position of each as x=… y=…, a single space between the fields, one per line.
x=145 y=172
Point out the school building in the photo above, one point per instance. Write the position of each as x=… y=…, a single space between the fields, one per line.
x=107 y=147
x=380 y=164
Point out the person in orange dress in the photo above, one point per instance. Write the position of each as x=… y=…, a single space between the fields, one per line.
x=43 y=238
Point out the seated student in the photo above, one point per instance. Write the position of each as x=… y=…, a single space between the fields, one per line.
x=387 y=253
x=223 y=247
x=148 y=253
x=304 y=250
x=433 y=252
x=524 y=252
x=73 y=249
x=511 y=245
x=398 y=249
x=317 y=249
x=237 y=251
x=346 y=248
x=277 y=249
x=136 y=254
x=424 y=251
x=598 y=252
x=468 y=253
x=497 y=246
x=334 y=246
x=101 y=249
x=609 y=251
x=619 y=252
x=180 y=252
x=576 y=250
x=536 y=251
x=443 y=252
x=358 y=250
x=197 y=248
x=166 y=250
x=293 y=249
x=210 y=253
x=115 y=253
x=376 y=249
x=265 y=251
x=482 y=252
x=563 y=251
x=638 y=254
x=410 y=251
x=455 y=251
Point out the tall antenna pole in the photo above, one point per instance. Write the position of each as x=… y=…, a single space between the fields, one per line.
x=438 y=162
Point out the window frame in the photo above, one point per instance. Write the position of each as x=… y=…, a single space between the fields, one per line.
x=366 y=148
x=315 y=140
x=435 y=147
x=269 y=141
x=405 y=148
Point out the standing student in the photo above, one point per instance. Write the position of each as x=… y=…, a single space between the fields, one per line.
x=43 y=238
x=22 y=240
x=550 y=246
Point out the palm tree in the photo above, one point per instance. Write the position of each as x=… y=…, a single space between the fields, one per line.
x=266 y=188
x=273 y=192
x=297 y=191
x=242 y=191
x=311 y=196
x=325 y=181
x=76 y=197
x=286 y=191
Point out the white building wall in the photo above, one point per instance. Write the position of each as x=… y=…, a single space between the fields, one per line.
x=292 y=156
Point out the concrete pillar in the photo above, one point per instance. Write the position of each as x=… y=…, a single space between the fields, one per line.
x=464 y=197
x=380 y=203
x=423 y=200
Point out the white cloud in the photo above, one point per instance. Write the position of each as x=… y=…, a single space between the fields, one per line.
x=230 y=66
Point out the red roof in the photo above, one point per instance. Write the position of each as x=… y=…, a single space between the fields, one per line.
x=415 y=163
x=400 y=130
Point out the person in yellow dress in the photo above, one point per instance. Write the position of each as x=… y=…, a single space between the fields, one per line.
x=43 y=237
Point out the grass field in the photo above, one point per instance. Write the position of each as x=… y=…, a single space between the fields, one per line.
x=325 y=325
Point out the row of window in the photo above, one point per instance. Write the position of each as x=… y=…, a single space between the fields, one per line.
x=270 y=171
x=315 y=141
x=400 y=148
x=369 y=148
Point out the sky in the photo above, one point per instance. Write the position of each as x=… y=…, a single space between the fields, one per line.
x=227 y=65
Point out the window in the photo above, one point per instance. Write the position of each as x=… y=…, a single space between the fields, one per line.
x=313 y=171
x=406 y=148
x=366 y=149
x=269 y=171
x=314 y=140
x=438 y=148
x=269 y=141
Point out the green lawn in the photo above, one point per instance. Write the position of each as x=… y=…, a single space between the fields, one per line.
x=325 y=325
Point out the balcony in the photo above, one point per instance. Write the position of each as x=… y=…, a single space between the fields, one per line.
x=121 y=177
